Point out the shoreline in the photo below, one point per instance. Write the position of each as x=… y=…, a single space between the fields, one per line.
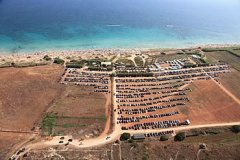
x=37 y=58
x=83 y=51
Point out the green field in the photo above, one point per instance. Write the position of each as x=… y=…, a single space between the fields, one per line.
x=224 y=56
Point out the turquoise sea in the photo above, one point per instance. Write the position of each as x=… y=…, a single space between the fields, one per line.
x=37 y=25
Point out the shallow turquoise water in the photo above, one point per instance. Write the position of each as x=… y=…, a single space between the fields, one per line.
x=30 y=25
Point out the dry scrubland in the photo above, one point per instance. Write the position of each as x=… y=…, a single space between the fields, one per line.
x=210 y=104
x=31 y=95
x=221 y=144
x=224 y=56
x=231 y=82
x=8 y=142
x=24 y=95
x=79 y=111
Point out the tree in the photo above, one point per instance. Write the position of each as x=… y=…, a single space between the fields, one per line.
x=164 y=138
x=235 y=129
x=180 y=136
x=58 y=60
x=125 y=136
x=47 y=58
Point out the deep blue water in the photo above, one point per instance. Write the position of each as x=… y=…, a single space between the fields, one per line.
x=31 y=25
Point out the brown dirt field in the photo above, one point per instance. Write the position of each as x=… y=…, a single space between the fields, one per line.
x=8 y=141
x=79 y=101
x=25 y=93
x=210 y=104
x=231 y=82
x=80 y=111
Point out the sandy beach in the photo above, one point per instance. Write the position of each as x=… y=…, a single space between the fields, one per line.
x=37 y=57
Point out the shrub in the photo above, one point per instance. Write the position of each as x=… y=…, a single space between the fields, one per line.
x=180 y=136
x=235 y=129
x=48 y=123
x=47 y=58
x=130 y=141
x=58 y=60
x=73 y=65
x=164 y=138
x=125 y=136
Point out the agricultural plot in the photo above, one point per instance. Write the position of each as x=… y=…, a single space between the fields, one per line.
x=224 y=56
x=231 y=82
x=139 y=61
x=125 y=62
x=78 y=112
x=210 y=104
x=237 y=51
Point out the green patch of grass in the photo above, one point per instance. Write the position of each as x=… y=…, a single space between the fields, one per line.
x=69 y=125
x=126 y=62
x=139 y=61
x=224 y=56
x=48 y=123
x=101 y=118
x=171 y=57
x=30 y=64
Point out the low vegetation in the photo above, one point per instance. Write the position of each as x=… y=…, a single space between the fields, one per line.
x=58 y=60
x=134 y=74
x=180 y=136
x=235 y=129
x=48 y=123
x=125 y=62
x=47 y=58
x=139 y=61
x=125 y=136
x=164 y=138
x=30 y=64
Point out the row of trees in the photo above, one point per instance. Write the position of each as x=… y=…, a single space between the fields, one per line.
x=179 y=137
